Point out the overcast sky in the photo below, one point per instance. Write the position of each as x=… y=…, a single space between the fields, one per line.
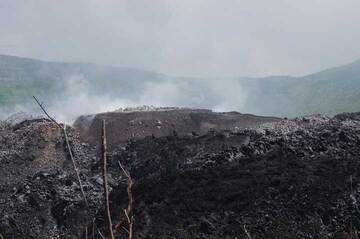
x=205 y=38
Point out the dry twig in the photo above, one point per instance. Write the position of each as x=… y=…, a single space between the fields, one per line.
x=247 y=232
x=69 y=150
x=75 y=167
x=105 y=183
x=72 y=159
x=128 y=210
x=43 y=109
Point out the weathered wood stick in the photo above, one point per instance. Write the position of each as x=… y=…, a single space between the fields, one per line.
x=105 y=181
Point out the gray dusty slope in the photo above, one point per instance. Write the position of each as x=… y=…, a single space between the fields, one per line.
x=123 y=126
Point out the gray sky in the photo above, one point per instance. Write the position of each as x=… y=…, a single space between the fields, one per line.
x=203 y=38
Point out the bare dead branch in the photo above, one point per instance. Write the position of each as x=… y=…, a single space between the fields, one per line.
x=69 y=150
x=105 y=181
x=75 y=167
x=128 y=210
x=125 y=229
x=247 y=232
x=129 y=189
x=130 y=221
x=73 y=162
x=43 y=109
x=97 y=229
x=101 y=235
x=124 y=171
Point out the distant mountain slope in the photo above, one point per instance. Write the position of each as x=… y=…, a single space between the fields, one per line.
x=329 y=92
x=21 y=78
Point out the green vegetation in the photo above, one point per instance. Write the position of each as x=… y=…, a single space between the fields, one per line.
x=329 y=92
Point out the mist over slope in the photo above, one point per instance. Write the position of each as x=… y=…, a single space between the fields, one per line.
x=329 y=92
x=71 y=89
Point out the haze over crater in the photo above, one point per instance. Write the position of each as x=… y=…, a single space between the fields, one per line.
x=201 y=38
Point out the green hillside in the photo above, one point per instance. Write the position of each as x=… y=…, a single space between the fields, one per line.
x=20 y=78
x=329 y=92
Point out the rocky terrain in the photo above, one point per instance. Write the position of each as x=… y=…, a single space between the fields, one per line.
x=295 y=178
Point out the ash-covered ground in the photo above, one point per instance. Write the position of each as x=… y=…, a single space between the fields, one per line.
x=295 y=178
